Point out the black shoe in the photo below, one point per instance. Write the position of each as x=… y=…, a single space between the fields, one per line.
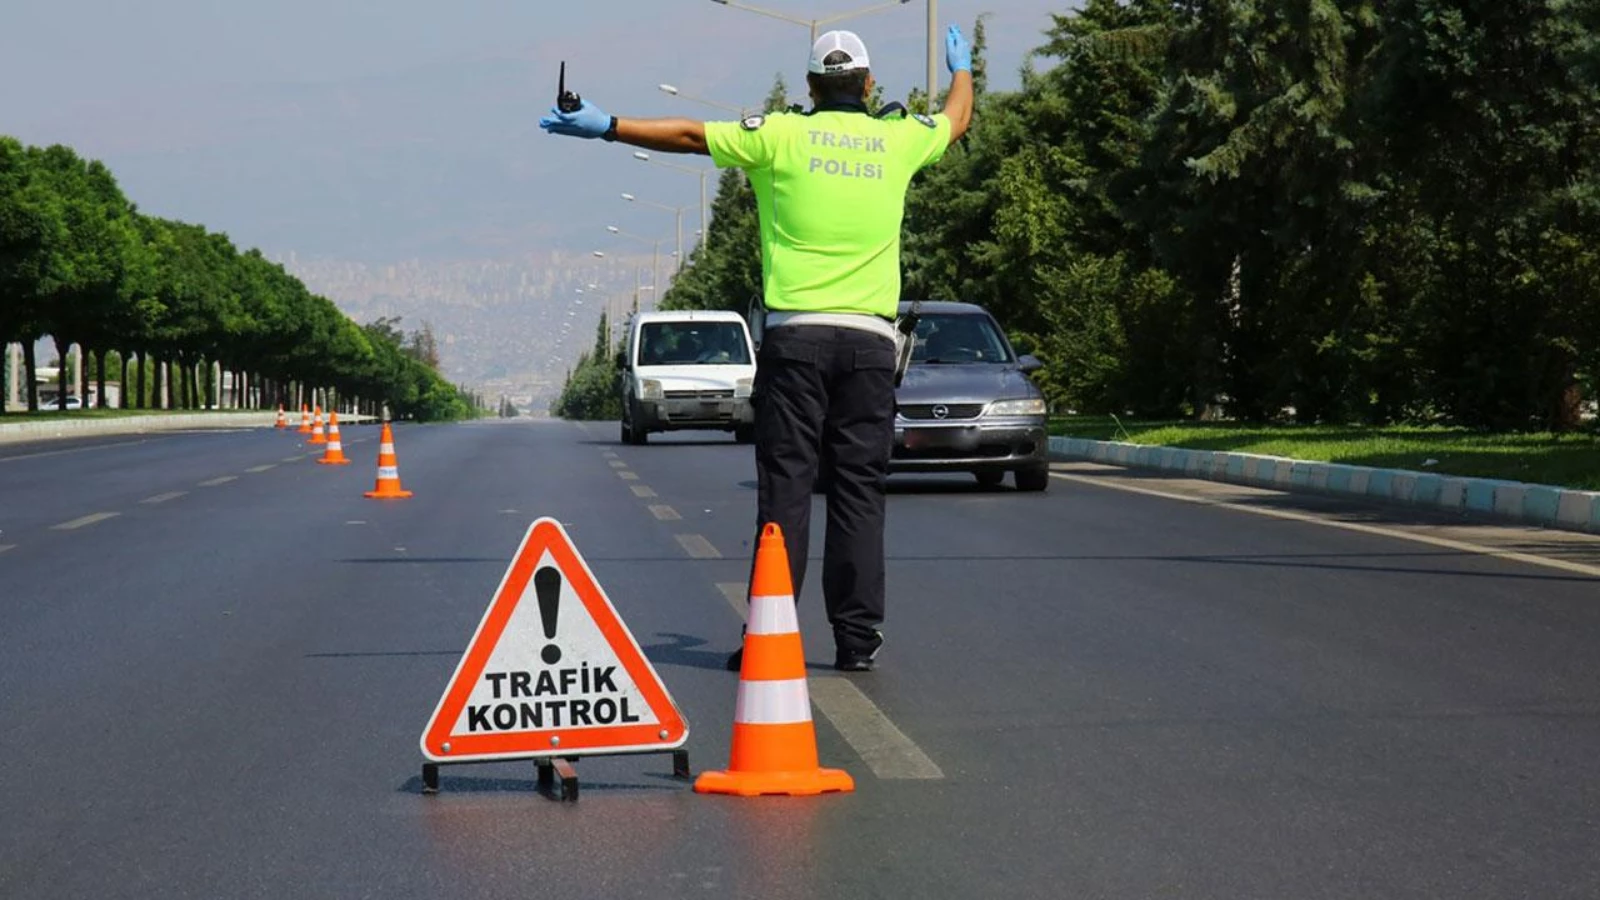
x=858 y=660
x=736 y=660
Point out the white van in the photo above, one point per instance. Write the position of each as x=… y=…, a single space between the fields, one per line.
x=688 y=370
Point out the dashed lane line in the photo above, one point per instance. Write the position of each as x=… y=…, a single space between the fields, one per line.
x=640 y=490
x=664 y=513
x=876 y=739
x=736 y=595
x=618 y=464
x=289 y=459
x=1446 y=543
x=83 y=521
x=162 y=498
x=216 y=481
x=5 y=547
x=255 y=470
x=628 y=476
x=698 y=547
x=879 y=742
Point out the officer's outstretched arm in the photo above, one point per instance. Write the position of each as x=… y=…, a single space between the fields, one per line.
x=958 y=103
x=665 y=135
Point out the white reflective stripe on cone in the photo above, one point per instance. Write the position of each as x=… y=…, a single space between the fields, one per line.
x=388 y=471
x=334 y=445
x=772 y=702
x=386 y=448
x=772 y=615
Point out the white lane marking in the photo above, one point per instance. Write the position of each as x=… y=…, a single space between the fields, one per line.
x=664 y=513
x=698 y=547
x=5 y=547
x=640 y=490
x=162 y=498
x=356 y=522
x=255 y=470
x=216 y=481
x=293 y=458
x=1446 y=543
x=81 y=521
x=44 y=453
x=618 y=464
x=609 y=455
x=734 y=593
x=879 y=742
x=628 y=476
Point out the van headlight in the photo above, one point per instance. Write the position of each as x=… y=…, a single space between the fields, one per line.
x=742 y=388
x=650 y=389
x=1033 y=407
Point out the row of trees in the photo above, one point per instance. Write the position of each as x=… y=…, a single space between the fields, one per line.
x=1333 y=210
x=592 y=390
x=170 y=302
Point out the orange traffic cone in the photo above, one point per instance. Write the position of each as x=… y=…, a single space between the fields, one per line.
x=388 y=487
x=317 y=435
x=305 y=419
x=334 y=455
x=774 y=740
x=283 y=420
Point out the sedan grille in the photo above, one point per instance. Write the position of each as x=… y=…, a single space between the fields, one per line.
x=930 y=412
x=699 y=395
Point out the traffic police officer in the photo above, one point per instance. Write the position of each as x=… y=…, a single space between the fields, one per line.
x=830 y=188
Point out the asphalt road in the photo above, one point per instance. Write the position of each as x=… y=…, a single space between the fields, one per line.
x=217 y=658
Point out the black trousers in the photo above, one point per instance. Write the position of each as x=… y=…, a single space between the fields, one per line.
x=822 y=387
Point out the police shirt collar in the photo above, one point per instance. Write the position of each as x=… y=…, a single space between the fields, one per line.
x=858 y=106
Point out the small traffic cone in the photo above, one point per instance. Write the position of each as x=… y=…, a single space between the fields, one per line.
x=305 y=419
x=283 y=420
x=317 y=435
x=774 y=740
x=388 y=487
x=334 y=455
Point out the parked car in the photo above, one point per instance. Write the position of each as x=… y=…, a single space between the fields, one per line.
x=687 y=370
x=966 y=403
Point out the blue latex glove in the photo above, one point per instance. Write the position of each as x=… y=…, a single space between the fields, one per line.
x=589 y=121
x=957 y=52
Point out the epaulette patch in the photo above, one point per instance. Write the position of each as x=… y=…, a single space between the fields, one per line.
x=751 y=123
x=926 y=120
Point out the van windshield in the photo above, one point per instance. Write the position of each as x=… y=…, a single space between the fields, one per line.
x=692 y=343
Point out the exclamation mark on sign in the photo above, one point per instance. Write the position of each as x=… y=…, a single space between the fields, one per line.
x=547 y=585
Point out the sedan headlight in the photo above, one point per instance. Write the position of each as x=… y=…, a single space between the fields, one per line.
x=1032 y=407
x=650 y=389
x=742 y=388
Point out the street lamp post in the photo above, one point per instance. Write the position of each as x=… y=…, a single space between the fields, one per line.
x=728 y=107
x=814 y=24
x=677 y=213
x=705 y=215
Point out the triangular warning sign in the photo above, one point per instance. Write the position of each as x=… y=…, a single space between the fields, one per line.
x=551 y=670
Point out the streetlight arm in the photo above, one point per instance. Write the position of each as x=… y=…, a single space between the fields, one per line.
x=764 y=12
x=860 y=12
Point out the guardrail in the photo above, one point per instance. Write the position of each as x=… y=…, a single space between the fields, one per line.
x=1529 y=504
x=67 y=427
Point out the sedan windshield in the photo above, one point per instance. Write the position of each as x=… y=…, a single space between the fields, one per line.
x=946 y=339
x=692 y=343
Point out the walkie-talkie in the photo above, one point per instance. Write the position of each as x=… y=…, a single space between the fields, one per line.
x=566 y=101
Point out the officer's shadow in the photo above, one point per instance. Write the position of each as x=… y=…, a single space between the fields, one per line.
x=681 y=651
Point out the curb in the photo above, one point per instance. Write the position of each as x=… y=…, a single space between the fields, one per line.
x=1515 y=501
x=52 y=429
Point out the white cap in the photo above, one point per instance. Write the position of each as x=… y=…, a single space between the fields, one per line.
x=844 y=42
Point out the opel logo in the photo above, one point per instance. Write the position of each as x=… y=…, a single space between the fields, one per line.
x=941 y=412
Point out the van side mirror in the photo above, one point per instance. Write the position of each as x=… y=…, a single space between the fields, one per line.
x=1029 y=363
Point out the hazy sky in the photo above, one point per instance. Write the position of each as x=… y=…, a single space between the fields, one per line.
x=384 y=129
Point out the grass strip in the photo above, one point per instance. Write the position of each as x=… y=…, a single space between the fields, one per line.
x=1566 y=460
